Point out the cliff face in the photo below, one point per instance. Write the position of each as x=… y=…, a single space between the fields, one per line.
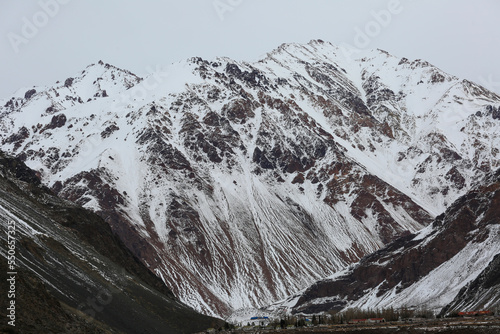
x=240 y=183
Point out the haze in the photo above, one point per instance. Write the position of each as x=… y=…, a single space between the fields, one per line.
x=50 y=40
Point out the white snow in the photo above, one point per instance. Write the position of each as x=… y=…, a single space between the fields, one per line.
x=262 y=239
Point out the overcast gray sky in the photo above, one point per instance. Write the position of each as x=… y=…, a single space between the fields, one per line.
x=48 y=40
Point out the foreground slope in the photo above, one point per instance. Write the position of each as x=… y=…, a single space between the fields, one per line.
x=240 y=183
x=482 y=293
x=73 y=274
x=427 y=269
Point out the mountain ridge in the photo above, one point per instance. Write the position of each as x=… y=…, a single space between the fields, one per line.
x=454 y=257
x=226 y=175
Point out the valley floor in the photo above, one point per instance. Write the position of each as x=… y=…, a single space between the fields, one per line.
x=441 y=326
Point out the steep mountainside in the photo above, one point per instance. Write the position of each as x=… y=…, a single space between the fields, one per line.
x=483 y=293
x=73 y=274
x=427 y=269
x=240 y=183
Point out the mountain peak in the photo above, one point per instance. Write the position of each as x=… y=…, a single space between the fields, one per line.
x=95 y=81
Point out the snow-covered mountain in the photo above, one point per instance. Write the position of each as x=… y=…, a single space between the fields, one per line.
x=240 y=183
x=451 y=265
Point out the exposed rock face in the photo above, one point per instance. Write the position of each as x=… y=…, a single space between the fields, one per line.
x=29 y=94
x=429 y=268
x=224 y=175
x=17 y=138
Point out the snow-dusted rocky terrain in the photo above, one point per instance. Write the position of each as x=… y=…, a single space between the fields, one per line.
x=241 y=183
x=451 y=265
x=66 y=272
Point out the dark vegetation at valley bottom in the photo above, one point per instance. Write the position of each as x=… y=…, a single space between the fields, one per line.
x=402 y=321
